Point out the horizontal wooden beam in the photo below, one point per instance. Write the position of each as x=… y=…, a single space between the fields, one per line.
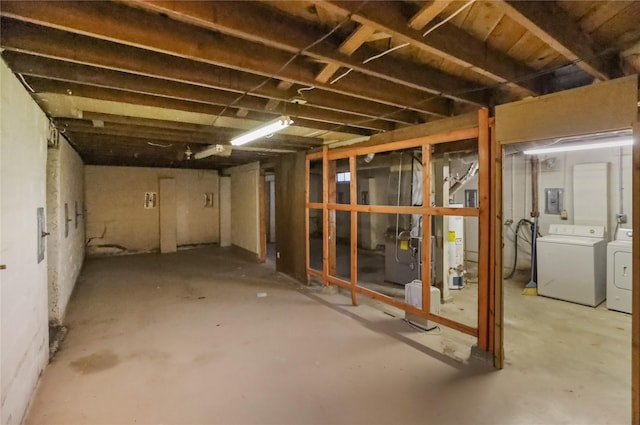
x=554 y=26
x=82 y=74
x=194 y=130
x=154 y=32
x=448 y=42
x=261 y=24
x=52 y=43
x=41 y=85
x=127 y=151
x=277 y=141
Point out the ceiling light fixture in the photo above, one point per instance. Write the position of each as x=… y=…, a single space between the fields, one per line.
x=268 y=128
x=626 y=141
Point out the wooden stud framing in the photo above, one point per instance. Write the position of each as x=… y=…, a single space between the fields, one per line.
x=484 y=181
x=353 y=195
x=330 y=207
x=426 y=231
x=325 y=216
x=496 y=310
x=451 y=136
x=635 y=317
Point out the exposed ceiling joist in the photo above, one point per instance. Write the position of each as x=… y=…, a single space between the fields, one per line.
x=551 y=24
x=56 y=44
x=134 y=27
x=448 y=42
x=428 y=13
x=287 y=34
x=83 y=74
x=350 y=45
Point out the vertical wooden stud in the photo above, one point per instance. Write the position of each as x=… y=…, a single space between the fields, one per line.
x=635 y=304
x=325 y=216
x=426 y=230
x=498 y=298
x=483 y=220
x=353 y=195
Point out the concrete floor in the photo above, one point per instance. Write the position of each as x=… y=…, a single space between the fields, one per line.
x=202 y=337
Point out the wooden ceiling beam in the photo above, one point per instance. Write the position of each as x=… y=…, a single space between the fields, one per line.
x=261 y=24
x=41 y=85
x=222 y=136
x=129 y=26
x=428 y=13
x=63 y=71
x=75 y=48
x=448 y=42
x=554 y=26
x=350 y=45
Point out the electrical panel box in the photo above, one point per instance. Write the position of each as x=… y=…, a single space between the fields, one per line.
x=553 y=201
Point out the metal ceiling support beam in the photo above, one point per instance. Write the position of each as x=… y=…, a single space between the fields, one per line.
x=126 y=25
x=260 y=24
x=448 y=42
x=553 y=25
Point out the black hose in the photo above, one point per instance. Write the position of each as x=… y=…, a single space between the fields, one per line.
x=515 y=256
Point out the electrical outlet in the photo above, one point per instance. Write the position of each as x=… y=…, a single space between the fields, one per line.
x=621 y=218
x=278 y=255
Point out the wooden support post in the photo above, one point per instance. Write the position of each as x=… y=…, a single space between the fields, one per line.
x=353 y=192
x=484 y=182
x=497 y=304
x=426 y=231
x=325 y=216
x=635 y=317
x=331 y=230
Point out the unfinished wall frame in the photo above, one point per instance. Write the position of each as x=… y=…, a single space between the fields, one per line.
x=425 y=137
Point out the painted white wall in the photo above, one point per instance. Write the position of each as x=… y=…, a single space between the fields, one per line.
x=116 y=216
x=23 y=286
x=65 y=185
x=225 y=211
x=245 y=217
x=517 y=192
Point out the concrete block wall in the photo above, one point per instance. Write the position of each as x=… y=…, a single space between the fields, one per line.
x=118 y=222
x=23 y=285
x=65 y=244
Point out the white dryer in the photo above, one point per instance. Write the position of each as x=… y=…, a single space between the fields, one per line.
x=619 y=271
x=572 y=263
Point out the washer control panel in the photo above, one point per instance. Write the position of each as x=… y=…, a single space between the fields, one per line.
x=577 y=230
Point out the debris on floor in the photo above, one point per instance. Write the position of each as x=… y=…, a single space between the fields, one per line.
x=56 y=336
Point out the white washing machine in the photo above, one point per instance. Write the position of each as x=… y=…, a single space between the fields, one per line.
x=619 y=271
x=572 y=263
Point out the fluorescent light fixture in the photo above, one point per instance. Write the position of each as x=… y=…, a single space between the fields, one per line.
x=269 y=128
x=626 y=141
